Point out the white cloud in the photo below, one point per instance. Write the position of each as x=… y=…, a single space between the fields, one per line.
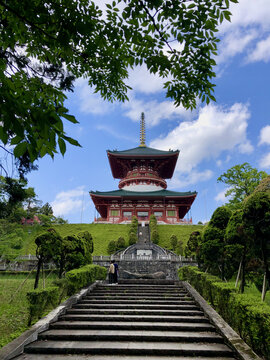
x=248 y=13
x=265 y=161
x=246 y=147
x=141 y=80
x=68 y=201
x=220 y=197
x=265 y=135
x=250 y=23
x=88 y=101
x=235 y=42
x=216 y=130
x=180 y=181
x=155 y=111
x=261 y=51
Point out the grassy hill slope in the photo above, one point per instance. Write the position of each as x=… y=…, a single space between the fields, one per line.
x=181 y=231
x=20 y=240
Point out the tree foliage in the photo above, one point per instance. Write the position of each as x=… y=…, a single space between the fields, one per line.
x=256 y=219
x=46 y=46
x=120 y=243
x=173 y=241
x=154 y=234
x=242 y=181
x=132 y=238
x=193 y=243
x=49 y=248
x=212 y=247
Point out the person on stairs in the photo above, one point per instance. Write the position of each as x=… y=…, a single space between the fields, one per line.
x=115 y=275
x=111 y=272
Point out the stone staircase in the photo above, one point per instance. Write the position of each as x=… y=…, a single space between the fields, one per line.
x=131 y=322
x=143 y=234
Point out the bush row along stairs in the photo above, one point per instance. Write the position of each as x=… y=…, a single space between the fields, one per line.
x=131 y=322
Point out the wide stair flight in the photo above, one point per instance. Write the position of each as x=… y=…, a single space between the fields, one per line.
x=131 y=322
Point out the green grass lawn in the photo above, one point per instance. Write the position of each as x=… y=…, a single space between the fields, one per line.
x=14 y=314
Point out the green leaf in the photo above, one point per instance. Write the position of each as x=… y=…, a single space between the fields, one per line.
x=43 y=151
x=70 y=118
x=3 y=135
x=71 y=141
x=16 y=140
x=20 y=149
x=62 y=146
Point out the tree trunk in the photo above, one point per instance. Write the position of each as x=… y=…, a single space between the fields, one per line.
x=265 y=263
x=40 y=260
x=243 y=274
x=238 y=274
x=61 y=267
x=264 y=287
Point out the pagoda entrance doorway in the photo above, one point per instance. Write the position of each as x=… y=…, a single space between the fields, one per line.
x=143 y=215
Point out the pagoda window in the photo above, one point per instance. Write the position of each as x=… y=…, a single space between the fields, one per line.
x=114 y=212
x=171 y=213
x=158 y=214
x=127 y=214
x=142 y=213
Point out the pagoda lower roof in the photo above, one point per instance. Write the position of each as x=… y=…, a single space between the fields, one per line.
x=140 y=194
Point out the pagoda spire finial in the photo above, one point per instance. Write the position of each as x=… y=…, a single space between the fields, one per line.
x=142 y=130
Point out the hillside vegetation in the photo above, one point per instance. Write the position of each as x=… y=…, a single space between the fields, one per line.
x=20 y=240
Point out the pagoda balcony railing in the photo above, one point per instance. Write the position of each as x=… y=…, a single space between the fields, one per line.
x=120 y=219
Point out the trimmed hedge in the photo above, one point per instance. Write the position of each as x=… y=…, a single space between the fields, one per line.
x=246 y=314
x=41 y=301
x=79 y=278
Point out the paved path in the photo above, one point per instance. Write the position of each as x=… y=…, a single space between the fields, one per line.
x=131 y=322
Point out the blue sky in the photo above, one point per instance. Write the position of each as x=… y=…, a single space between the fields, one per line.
x=211 y=139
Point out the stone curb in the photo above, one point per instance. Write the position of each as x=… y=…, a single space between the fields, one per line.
x=239 y=346
x=16 y=347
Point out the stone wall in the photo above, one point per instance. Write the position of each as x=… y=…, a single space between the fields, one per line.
x=169 y=267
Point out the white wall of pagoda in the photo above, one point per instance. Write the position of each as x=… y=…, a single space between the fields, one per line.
x=142 y=187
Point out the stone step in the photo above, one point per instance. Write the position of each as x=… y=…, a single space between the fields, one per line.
x=134 y=306
x=117 y=288
x=129 y=348
x=145 y=294
x=131 y=325
x=138 y=318
x=130 y=335
x=123 y=311
x=135 y=297
x=142 y=286
x=148 y=282
x=138 y=301
x=114 y=357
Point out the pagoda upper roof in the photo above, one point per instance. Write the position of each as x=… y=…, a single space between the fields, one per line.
x=119 y=159
x=143 y=151
x=158 y=193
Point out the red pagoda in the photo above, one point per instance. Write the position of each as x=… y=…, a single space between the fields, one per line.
x=142 y=187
